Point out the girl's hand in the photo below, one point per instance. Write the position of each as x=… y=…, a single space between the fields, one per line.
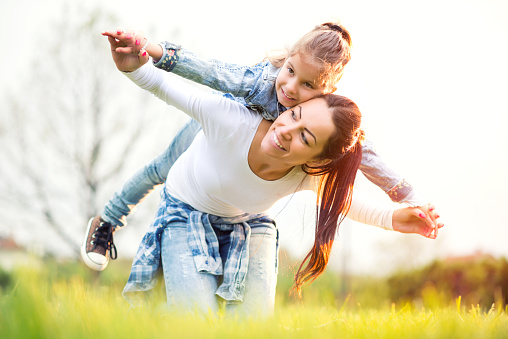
x=135 y=43
x=132 y=42
x=125 y=62
x=419 y=220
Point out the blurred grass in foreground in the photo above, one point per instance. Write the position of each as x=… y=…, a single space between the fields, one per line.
x=61 y=301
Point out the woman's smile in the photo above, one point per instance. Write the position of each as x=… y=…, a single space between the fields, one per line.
x=299 y=134
x=277 y=142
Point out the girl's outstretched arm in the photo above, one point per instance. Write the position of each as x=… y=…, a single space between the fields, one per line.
x=238 y=80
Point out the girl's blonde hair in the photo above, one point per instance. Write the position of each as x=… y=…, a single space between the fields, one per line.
x=327 y=45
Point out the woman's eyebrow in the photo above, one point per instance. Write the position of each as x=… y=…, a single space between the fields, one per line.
x=315 y=141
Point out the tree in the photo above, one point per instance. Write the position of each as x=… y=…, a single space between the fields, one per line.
x=72 y=132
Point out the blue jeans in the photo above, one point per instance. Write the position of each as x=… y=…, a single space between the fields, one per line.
x=146 y=179
x=189 y=290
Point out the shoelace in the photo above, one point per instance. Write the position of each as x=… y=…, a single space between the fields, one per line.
x=104 y=237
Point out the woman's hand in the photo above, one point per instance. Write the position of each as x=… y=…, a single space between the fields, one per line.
x=125 y=62
x=419 y=220
x=136 y=43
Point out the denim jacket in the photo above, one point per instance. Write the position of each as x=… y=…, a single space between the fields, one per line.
x=254 y=87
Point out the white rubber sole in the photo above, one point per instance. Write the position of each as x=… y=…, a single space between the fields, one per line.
x=95 y=261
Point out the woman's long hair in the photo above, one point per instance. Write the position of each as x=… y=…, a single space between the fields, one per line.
x=336 y=184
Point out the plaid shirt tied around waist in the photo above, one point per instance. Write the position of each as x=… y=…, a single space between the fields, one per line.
x=204 y=245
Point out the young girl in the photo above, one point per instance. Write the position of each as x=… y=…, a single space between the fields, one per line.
x=312 y=67
x=208 y=234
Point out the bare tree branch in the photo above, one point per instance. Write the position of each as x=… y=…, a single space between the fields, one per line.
x=67 y=138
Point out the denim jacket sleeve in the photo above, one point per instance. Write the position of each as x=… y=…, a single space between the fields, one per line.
x=253 y=85
x=376 y=170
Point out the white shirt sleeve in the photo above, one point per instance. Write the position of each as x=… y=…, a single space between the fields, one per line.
x=208 y=109
x=168 y=88
x=370 y=213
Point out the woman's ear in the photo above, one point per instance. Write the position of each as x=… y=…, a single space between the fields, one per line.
x=318 y=162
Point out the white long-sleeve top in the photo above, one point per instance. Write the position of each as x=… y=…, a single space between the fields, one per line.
x=213 y=175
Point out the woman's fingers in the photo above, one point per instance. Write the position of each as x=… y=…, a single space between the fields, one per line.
x=144 y=55
x=125 y=50
x=435 y=217
x=113 y=43
x=132 y=42
x=429 y=228
x=118 y=34
x=425 y=217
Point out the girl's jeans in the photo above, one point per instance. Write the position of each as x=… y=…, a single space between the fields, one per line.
x=189 y=290
x=145 y=180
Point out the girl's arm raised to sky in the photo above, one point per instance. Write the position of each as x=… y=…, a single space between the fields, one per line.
x=238 y=80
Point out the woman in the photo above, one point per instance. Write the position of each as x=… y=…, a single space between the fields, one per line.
x=311 y=67
x=209 y=232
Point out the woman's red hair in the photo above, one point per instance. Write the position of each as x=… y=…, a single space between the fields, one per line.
x=335 y=190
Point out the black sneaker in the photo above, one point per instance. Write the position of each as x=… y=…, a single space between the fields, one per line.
x=98 y=246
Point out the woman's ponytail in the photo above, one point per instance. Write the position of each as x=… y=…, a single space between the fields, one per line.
x=335 y=190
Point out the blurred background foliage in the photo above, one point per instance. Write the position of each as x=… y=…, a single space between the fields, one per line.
x=477 y=280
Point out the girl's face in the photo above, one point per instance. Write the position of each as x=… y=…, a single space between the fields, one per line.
x=297 y=81
x=300 y=134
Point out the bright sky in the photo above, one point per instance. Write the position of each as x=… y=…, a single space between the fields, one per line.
x=429 y=77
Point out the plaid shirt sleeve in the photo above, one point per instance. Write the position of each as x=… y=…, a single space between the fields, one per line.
x=203 y=244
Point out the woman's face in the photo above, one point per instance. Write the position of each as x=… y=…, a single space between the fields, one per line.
x=297 y=81
x=300 y=134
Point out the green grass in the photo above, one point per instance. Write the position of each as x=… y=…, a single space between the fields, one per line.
x=56 y=302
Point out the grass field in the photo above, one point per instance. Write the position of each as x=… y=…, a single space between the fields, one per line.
x=55 y=303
